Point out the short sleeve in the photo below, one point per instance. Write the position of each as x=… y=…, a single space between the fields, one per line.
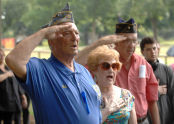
x=128 y=98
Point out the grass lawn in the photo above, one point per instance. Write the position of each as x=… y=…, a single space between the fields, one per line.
x=44 y=52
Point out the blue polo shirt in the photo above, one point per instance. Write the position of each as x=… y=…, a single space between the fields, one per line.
x=60 y=96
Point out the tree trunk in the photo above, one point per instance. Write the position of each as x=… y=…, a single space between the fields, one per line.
x=93 y=32
x=154 y=28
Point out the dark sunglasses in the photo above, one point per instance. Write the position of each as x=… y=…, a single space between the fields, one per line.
x=106 y=66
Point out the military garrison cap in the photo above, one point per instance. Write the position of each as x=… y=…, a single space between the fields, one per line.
x=63 y=16
x=126 y=26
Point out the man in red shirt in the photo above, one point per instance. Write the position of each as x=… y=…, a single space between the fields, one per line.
x=136 y=74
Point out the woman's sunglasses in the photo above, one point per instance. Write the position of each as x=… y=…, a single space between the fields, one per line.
x=106 y=66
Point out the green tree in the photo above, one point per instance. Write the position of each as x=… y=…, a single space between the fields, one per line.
x=150 y=14
x=13 y=10
x=94 y=18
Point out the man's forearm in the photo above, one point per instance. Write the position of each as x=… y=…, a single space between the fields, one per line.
x=3 y=76
x=109 y=39
x=82 y=56
x=153 y=109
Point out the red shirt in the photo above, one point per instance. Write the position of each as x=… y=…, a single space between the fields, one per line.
x=172 y=66
x=144 y=88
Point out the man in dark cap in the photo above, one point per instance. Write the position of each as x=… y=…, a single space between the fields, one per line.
x=165 y=77
x=136 y=74
x=62 y=91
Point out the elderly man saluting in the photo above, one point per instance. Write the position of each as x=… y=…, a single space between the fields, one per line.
x=62 y=91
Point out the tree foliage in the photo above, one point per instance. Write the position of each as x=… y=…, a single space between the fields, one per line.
x=94 y=18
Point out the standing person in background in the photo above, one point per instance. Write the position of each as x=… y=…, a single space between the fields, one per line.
x=104 y=64
x=24 y=103
x=11 y=95
x=165 y=77
x=62 y=91
x=26 y=111
x=136 y=74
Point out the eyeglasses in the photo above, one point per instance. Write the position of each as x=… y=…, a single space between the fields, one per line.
x=106 y=66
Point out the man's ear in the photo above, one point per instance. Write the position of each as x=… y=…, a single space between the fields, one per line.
x=50 y=43
x=142 y=52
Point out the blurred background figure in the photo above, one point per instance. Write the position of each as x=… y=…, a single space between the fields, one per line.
x=170 y=51
x=172 y=66
x=25 y=111
x=11 y=95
